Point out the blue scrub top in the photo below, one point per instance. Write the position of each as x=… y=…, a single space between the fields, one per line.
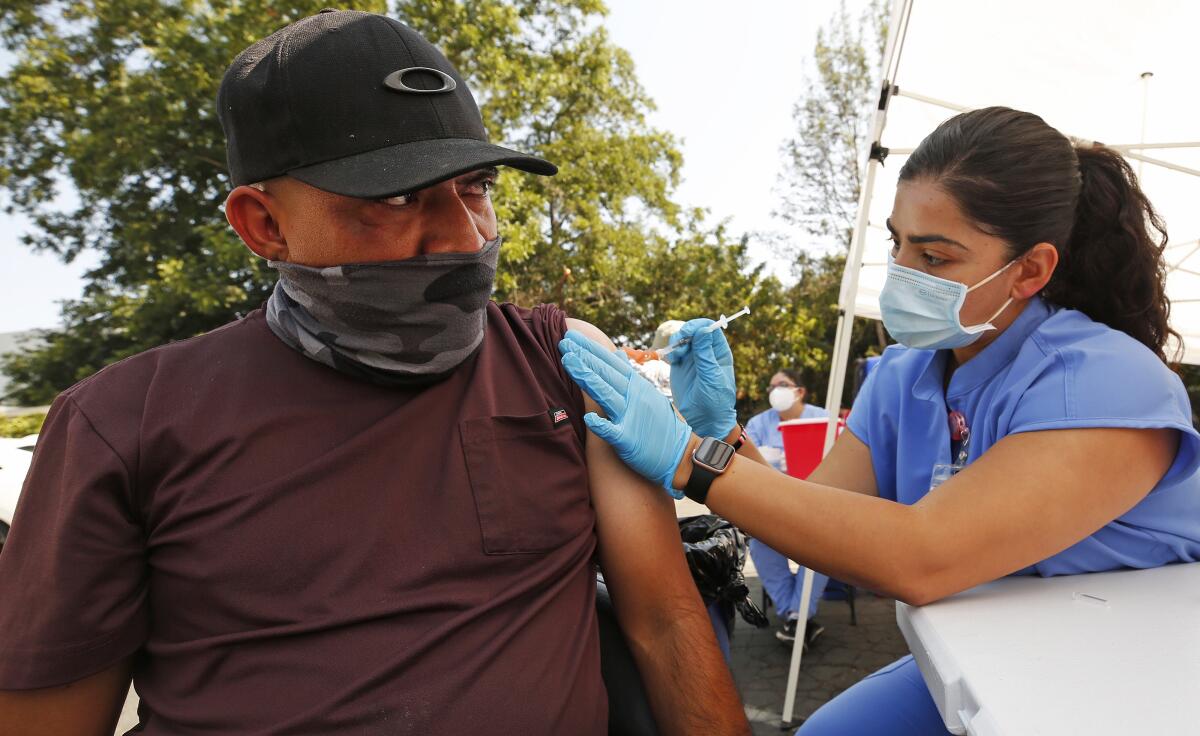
x=1052 y=368
x=763 y=427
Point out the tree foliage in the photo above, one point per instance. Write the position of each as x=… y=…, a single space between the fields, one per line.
x=21 y=426
x=109 y=142
x=604 y=238
x=819 y=184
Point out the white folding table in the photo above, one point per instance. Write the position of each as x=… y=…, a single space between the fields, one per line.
x=1105 y=653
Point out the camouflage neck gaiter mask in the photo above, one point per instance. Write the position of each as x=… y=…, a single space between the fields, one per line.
x=394 y=323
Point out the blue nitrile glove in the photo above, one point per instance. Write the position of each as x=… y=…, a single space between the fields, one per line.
x=702 y=380
x=642 y=427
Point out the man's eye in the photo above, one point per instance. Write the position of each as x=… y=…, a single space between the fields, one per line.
x=482 y=187
x=398 y=200
x=932 y=260
x=895 y=246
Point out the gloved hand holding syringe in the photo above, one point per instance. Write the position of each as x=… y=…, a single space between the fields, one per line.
x=703 y=390
x=721 y=323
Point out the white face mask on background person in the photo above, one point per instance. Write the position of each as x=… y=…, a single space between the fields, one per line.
x=782 y=398
x=922 y=311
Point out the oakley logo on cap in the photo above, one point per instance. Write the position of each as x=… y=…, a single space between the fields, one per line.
x=395 y=81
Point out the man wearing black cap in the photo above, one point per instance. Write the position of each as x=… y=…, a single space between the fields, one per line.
x=371 y=506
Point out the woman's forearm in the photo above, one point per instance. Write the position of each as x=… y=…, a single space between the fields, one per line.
x=870 y=542
x=750 y=451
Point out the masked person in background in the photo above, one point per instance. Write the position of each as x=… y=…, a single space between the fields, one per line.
x=1028 y=422
x=786 y=394
x=371 y=506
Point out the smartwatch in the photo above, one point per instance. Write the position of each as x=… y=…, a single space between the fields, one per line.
x=708 y=461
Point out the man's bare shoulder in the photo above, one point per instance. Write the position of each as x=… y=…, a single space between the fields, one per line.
x=591 y=331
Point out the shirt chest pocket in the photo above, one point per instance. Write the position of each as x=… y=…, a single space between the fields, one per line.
x=529 y=480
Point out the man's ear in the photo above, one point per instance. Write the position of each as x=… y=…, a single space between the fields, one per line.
x=1036 y=267
x=251 y=212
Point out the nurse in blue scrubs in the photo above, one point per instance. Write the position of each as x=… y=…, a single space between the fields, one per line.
x=786 y=393
x=1028 y=422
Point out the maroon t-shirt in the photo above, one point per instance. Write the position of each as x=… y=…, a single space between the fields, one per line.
x=290 y=550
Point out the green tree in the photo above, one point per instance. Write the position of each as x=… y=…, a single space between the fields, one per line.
x=22 y=425
x=705 y=274
x=819 y=185
x=551 y=81
x=604 y=238
x=111 y=102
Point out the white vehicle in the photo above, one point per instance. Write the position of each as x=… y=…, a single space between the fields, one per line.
x=15 y=456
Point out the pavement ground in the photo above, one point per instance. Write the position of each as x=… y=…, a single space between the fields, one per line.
x=842 y=656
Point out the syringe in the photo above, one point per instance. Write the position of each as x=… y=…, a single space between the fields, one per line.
x=720 y=323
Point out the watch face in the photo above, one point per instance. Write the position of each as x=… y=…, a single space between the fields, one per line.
x=713 y=454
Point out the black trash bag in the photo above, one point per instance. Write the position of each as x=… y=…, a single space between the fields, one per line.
x=716 y=551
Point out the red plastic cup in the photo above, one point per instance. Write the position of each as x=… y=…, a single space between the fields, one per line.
x=804 y=443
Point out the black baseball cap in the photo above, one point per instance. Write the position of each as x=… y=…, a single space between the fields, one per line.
x=356 y=104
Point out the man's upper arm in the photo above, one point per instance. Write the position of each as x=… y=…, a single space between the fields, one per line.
x=640 y=549
x=88 y=707
x=660 y=611
x=76 y=557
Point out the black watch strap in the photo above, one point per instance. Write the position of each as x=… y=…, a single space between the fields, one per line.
x=709 y=460
x=698 y=483
x=741 y=440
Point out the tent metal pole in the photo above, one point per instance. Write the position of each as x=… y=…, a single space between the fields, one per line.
x=897 y=29
x=1178 y=265
x=1148 y=146
x=789 y=701
x=931 y=100
x=1127 y=149
x=846 y=310
x=1160 y=162
x=1146 y=76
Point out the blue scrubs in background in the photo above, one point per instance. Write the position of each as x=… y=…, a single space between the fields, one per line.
x=1051 y=369
x=778 y=580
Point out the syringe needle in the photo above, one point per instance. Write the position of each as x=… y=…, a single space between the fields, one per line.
x=722 y=323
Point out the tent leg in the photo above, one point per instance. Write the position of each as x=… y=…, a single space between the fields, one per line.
x=789 y=701
x=891 y=59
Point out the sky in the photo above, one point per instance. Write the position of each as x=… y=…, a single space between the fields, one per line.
x=724 y=83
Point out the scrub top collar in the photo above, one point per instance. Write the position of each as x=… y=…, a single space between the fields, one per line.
x=987 y=363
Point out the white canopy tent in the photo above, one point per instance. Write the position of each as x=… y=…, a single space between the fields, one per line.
x=1082 y=67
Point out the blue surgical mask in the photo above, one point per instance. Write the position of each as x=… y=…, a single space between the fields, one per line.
x=922 y=311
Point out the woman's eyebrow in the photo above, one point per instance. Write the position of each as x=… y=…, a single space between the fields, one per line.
x=931 y=238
